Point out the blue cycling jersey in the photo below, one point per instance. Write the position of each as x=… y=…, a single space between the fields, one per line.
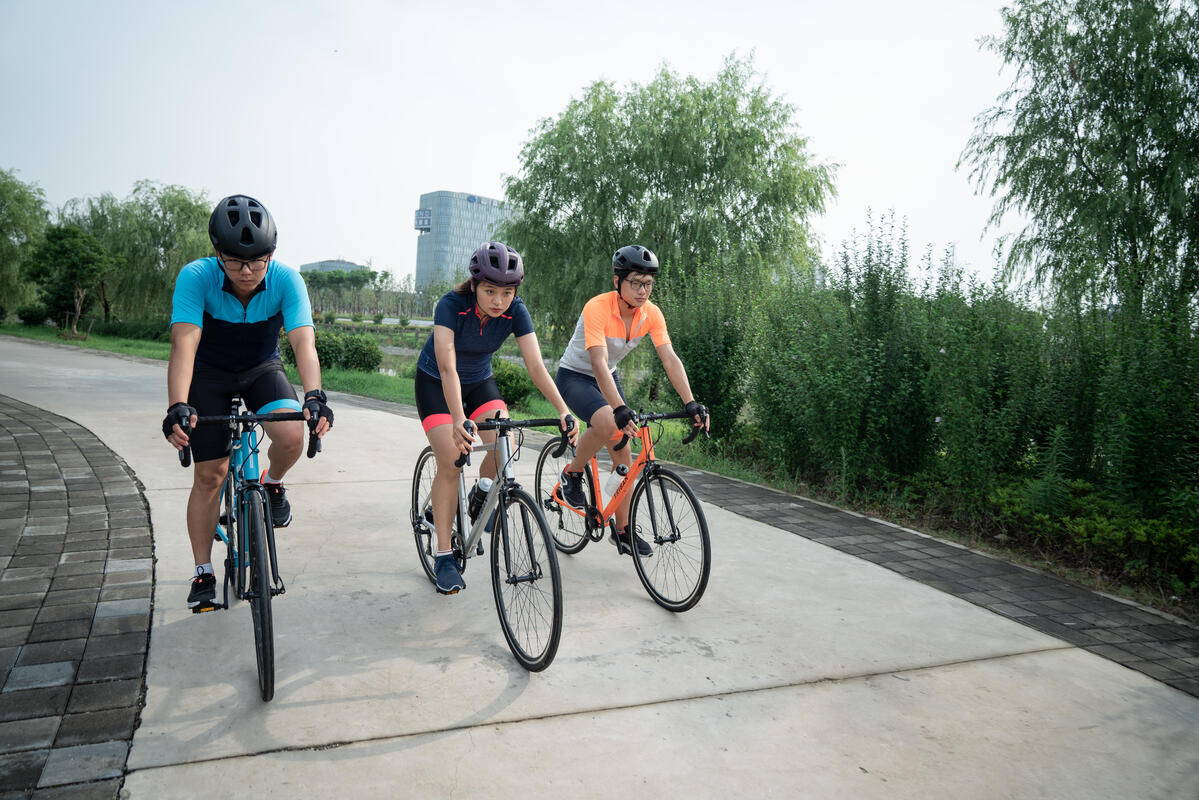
x=237 y=337
x=476 y=336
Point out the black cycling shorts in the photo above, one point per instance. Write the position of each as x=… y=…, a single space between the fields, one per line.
x=582 y=393
x=478 y=400
x=263 y=389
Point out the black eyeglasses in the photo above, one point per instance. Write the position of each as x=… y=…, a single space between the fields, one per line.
x=237 y=265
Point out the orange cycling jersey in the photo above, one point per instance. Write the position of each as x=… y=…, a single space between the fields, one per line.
x=600 y=323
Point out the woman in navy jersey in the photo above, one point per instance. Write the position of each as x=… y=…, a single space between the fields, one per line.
x=454 y=381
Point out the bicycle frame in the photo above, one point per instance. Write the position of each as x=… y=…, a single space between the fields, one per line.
x=244 y=476
x=644 y=459
x=506 y=477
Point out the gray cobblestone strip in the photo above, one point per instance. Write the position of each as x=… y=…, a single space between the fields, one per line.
x=76 y=582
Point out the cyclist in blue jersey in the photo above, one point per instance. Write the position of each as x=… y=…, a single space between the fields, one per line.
x=225 y=319
x=454 y=381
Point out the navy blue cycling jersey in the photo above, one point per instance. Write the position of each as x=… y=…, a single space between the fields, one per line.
x=476 y=335
x=236 y=337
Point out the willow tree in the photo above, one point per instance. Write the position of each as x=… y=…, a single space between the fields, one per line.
x=713 y=176
x=23 y=218
x=151 y=234
x=1096 y=142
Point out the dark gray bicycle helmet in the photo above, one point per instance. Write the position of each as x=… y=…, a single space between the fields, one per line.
x=496 y=262
x=241 y=226
x=634 y=257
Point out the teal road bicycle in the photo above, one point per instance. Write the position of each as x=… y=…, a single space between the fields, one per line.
x=251 y=564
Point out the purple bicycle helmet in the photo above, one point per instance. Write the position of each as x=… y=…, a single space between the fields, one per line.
x=496 y=262
x=241 y=227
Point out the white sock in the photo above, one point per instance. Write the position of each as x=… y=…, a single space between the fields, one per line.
x=203 y=569
x=266 y=478
x=440 y=553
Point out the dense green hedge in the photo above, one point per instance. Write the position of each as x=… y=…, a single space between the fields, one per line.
x=357 y=351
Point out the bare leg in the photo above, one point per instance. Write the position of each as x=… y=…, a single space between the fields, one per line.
x=445 y=483
x=203 y=506
x=287 y=443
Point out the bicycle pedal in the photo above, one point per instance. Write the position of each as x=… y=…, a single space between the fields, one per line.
x=204 y=608
x=479 y=548
x=223 y=519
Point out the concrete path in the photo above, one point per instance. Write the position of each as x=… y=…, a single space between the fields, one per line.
x=805 y=671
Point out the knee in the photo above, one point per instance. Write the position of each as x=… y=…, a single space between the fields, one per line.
x=208 y=481
x=290 y=438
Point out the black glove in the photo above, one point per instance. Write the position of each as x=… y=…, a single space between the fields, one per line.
x=316 y=404
x=695 y=409
x=623 y=415
x=178 y=414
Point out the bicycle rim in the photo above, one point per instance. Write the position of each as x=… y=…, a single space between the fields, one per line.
x=260 y=596
x=666 y=514
x=568 y=529
x=526 y=582
x=422 y=501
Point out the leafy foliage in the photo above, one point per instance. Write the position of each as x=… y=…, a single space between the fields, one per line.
x=512 y=380
x=67 y=266
x=23 y=218
x=706 y=174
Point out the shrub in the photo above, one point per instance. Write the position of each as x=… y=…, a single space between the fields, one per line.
x=329 y=317
x=3 y=314
x=329 y=347
x=377 y=319
x=404 y=322
x=355 y=317
x=361 y=352
x=285 y=350
x=153 y=330
x=513 y=382
x=33 y=315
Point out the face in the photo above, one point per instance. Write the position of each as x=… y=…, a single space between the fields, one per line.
x=245 y=275
x=635 y=289
x=494 y=300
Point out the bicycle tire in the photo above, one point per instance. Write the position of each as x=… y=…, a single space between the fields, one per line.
x=422 y=528
x=568 y=529
x=676 y=574
x=260 y=593
x=523 y=558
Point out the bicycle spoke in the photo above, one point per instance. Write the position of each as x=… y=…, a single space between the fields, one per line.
x=526 y=582
x=667 y=515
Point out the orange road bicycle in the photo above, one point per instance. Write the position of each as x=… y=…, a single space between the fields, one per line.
x=664 y=512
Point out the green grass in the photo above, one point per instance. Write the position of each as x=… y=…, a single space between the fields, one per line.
x=367 y=384
x=112 y=344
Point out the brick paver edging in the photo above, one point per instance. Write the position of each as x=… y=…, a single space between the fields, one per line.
x=76 y=581
x=1143 y=639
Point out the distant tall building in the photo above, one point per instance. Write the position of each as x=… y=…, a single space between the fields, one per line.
x=452 y=225
x=330 y=265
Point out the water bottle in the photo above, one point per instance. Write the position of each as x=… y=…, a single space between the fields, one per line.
x=613 y=480
x=477 y=496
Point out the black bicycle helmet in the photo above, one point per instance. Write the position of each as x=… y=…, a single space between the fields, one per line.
x=634 y=257
x=496 y=262
x=241 y=226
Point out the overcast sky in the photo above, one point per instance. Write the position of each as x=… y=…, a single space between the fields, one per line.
x=338 y=116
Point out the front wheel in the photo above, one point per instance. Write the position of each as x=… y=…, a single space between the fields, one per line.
x=526 y=581
x=568 y=526
x=260 y=593
x=666 y=514
x=421 y=513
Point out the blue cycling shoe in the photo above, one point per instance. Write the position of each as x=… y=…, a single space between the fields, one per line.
x=449 y=579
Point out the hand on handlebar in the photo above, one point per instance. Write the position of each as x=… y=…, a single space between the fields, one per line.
x=699 y=413
x=464 y=436
x=625 y=420
x=566 y=424
x=316 y=407
x=179 y=416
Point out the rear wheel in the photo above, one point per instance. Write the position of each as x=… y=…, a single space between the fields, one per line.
x=666 y=514
x=526 y=581
x=260 y=593
x=567 y=525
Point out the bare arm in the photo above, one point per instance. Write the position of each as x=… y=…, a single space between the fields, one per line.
x=678 y=379
x=530 y=351
x=185 y=339
x=308 y=364
x=447 y=367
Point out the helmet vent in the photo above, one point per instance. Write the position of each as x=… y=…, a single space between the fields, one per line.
x=247 y=238
x=256 y=218
x=233 y=215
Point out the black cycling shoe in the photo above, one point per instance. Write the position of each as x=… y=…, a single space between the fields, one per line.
x=571 y=489
x=203 y=594
x=621 y=540
x=449 y=579
x=280 y=508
